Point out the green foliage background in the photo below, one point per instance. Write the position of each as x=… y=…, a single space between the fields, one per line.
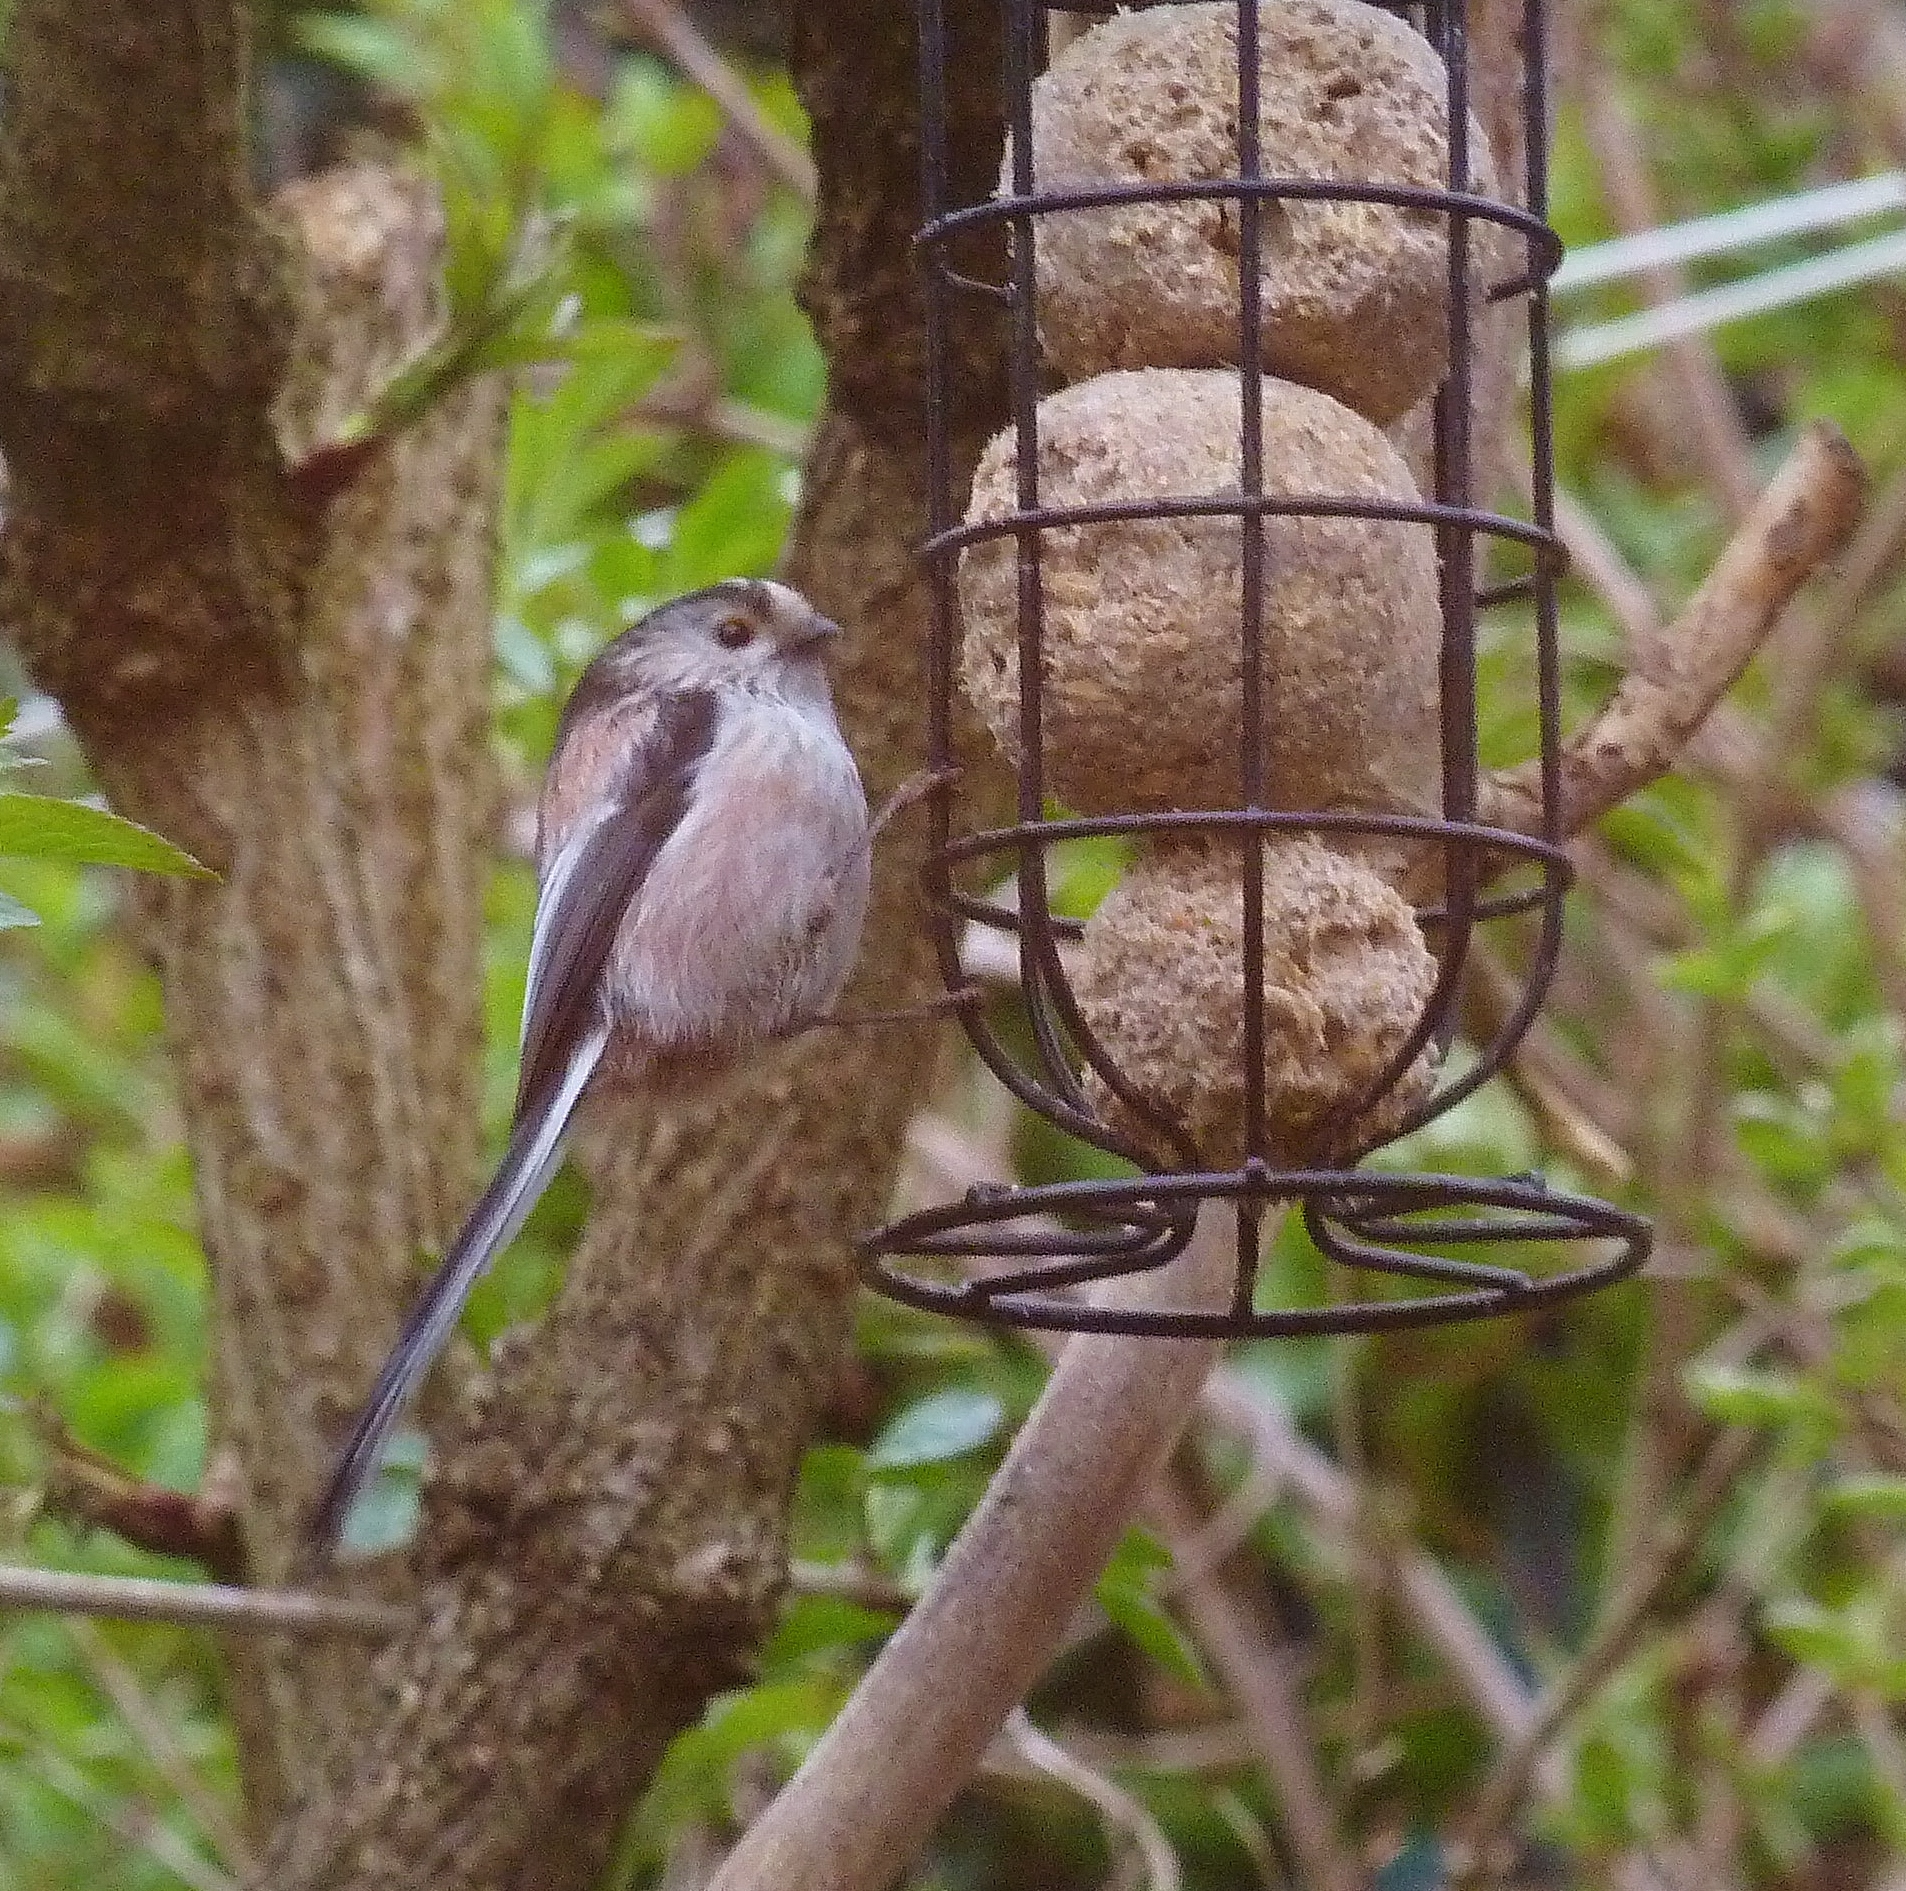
x=627 y=243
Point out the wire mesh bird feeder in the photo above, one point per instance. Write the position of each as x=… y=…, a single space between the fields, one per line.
x=1205 y=604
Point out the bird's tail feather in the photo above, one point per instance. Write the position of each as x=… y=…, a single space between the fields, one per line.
x=534 y=1153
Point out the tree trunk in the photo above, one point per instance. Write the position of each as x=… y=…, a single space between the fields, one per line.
x=301 y=698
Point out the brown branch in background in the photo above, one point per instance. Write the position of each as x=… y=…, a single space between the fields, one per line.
x=1858 y=47
x=1803 y=517
x=1594 y=558
x=1861 y=818
x=1578 y=1110
x=90 y=1490
x=1117 y=1807
x=1260 y=1678
x=663 y=25
x=735 y=423
x=1428 y=1599
x=134 y=1824
x=147 y=1723
x=199 y=1605
x=1673 y=1546
x=1689 y=364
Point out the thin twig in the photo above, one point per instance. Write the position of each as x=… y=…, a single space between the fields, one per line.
x=149 y=1727
x=719 y=418
x=1596 y=560
x=849 y=1582
x=131 y=1821
x=1712 y=420
x=1435 y=1609
x=1113 y=1803
x=207 y=1605
x=1257 y=1676
x=1582 y=1114
x=1788 y=1719
x=1661 y=1566
x=672 y=32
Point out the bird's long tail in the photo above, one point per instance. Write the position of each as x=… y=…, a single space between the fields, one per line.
x=533 y=1156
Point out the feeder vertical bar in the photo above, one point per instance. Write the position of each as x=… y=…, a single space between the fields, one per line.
x=1251 y=613
x=1038 y=951
x=1535 y=114
x=1455 y=547
x=936 y=882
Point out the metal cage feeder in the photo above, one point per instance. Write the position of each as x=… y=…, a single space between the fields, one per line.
x=1024 y=1255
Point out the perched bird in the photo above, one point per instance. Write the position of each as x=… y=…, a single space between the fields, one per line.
x=702 y=852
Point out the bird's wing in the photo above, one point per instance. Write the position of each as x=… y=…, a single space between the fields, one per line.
x=590 y=885
x=535 y=1151
x=595 y=877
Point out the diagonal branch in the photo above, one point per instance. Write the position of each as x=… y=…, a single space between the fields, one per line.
x=908 y=1739
x=1802 y=518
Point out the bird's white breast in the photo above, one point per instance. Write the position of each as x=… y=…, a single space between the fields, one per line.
x=750 y=918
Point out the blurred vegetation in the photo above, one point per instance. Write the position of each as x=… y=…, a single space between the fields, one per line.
x=1726 y=1028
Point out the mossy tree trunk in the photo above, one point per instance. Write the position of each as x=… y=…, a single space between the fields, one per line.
x=300 y=696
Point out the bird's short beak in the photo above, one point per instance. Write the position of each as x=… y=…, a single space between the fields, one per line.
x=816 y=631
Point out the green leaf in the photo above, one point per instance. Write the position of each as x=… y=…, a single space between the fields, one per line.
x=50 y=829
x=369 y=49
x=814 y=1625
x=1124 y=1593
x=1873 y=1496
x=942 y=1426
x=1728 y=966
x=1742 y=1395
x=1832 y=1640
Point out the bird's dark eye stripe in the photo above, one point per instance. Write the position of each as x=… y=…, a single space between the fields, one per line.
x=733 y=632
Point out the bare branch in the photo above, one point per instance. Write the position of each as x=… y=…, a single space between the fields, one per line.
x=1802 y=518
x=201 y=1605
x=1258 y=1677
x=665 y=26
x=868 y=1795
x=1666 y=1556
x=139 y=1826
x=89 y=1489
x=149 y=1726
x=1691 y=366
x=1117 y=1807
x=1430 y=1599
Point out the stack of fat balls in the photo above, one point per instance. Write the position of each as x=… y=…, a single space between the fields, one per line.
x=1141 y=700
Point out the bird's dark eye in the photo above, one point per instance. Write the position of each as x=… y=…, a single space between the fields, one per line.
x=734 y=633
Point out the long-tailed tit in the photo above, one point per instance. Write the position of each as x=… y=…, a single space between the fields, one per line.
x=702 y=851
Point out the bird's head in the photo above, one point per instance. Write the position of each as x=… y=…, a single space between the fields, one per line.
x=749 y=633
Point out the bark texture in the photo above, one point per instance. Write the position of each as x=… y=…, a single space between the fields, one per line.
x=298 y=697
x=604 y=1538
x=301 y=698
